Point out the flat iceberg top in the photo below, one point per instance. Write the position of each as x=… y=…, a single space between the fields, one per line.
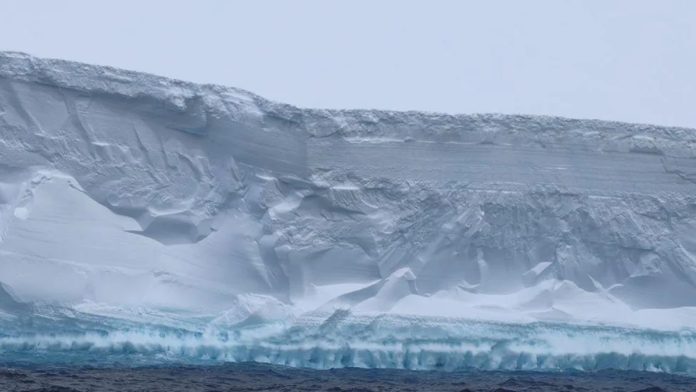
x=142 y=202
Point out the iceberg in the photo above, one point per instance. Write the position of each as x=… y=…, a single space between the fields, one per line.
x=146 y=216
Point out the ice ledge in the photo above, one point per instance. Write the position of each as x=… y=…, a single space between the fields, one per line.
x=95 y=79
x=180 y=95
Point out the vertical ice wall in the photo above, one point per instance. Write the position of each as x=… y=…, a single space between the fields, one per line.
x=129 y=189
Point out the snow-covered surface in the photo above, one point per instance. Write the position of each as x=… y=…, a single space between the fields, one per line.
x=138 y=198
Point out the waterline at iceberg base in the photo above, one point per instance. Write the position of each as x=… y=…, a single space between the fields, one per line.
x=343 y=340
x=148 y=220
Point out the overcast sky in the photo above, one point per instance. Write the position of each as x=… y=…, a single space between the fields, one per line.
x=629 y=60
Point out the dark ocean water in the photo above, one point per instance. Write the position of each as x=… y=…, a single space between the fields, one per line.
x=262 y=377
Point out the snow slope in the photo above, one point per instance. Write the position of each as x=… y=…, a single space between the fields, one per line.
x=135 y=197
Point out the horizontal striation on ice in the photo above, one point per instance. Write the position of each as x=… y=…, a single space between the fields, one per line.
x=125 y=194
x=345 y=340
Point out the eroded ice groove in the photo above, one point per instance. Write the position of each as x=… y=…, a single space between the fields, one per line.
x=344 y=340
x=155 y=201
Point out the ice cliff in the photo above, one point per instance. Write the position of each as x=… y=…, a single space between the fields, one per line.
x=134 y=196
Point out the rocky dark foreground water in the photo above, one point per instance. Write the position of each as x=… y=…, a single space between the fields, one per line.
x=260 y=377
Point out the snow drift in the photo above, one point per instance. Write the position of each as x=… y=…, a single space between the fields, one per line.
x=131 y=197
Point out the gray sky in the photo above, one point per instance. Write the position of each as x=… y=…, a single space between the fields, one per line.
x=629 y=60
